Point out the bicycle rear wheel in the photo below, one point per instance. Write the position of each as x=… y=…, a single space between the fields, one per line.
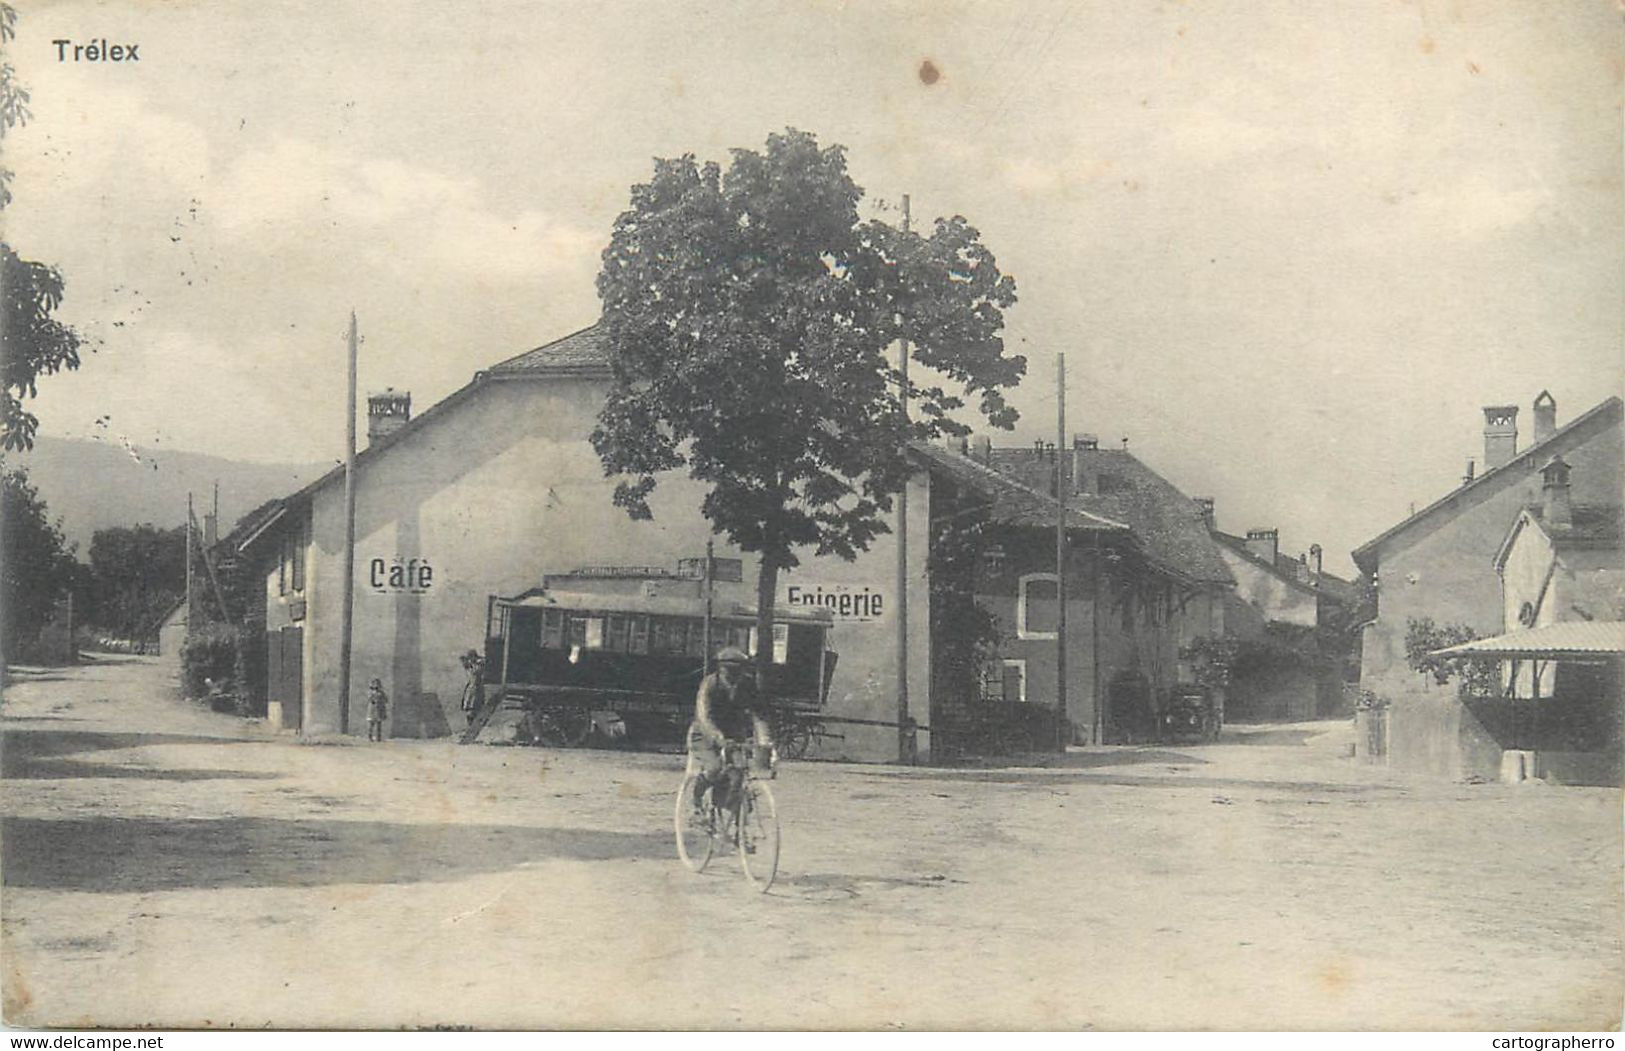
x=696 y=828
x=759 y=835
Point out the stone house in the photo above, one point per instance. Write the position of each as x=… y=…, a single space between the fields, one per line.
x=1437 y=564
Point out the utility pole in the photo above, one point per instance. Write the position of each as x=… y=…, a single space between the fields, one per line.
x=1060 y=552
x=710 y=580
x=348 y=615
x=190 y=623
x=904 y=738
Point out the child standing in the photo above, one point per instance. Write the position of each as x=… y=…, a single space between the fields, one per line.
x=377 y=710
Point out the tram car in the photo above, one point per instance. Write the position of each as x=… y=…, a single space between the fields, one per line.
x=620 y=651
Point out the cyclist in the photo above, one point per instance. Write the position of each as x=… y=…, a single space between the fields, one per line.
x=725 y=710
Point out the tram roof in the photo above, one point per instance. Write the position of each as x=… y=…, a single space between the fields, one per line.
x=663 y=605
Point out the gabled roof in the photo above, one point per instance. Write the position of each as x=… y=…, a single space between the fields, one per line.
x=1163 y=519
x=1286 y=568
x=582 y=353
x=1013 y=503
x=585 y=352
x=1518 y=467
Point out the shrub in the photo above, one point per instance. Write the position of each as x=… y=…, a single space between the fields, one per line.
x=209 y=661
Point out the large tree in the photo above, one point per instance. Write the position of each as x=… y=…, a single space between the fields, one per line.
x=32 y=342
x=37 y=566
x=137 y=574
x=750 y=313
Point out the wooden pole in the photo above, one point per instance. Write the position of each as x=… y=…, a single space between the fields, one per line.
x=904 y=738
x=710 y=579
x=208 y=564
x=1061 y=482
x=347 y=617
x=190 y=623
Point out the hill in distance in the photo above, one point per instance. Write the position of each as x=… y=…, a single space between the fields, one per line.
x=91 y=485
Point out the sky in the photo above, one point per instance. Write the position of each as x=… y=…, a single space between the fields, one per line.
x=1288 y=250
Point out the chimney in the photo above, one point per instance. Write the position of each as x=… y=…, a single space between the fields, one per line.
x=982 y=449
x=1262 y=543
x=1467 y=479
x=1500 y=435
x=1545 y=416
x=1556 y=509
x=1082 y=443
x=387 y=412
x=1314 y=560
x=1300 y=569
x=1204 y=508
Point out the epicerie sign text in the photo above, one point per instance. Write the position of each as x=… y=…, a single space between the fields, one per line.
x=844 y=602
x=96 y=51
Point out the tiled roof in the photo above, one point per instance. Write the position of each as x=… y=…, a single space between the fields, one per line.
x=586 y=351
x=1575 y=638
x=1163 y=519
x=1588 y=525
x=1014 y=503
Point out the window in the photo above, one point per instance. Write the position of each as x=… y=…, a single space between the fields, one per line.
x=1038 y=609
x=1004 y=680
x=297 y=557
x=553 y=629
x=617 y=634
x=638 y=637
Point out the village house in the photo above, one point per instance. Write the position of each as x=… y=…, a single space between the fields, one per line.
x=485 y=493
x=1437 y=565
x=1555 y=717
x=1292 y=622
x=1159 y=598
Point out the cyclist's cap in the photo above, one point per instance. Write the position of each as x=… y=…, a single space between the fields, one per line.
x=732 y=655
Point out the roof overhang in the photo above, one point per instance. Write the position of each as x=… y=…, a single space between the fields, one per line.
x=1580 y=640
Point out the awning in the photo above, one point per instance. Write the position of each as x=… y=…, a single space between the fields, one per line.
x=1572 y=640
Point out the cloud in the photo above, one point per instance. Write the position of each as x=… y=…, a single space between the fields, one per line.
x=403 y=217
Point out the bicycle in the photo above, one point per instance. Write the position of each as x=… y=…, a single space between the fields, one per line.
x=747 y=822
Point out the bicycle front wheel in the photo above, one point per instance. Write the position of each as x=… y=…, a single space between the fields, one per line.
x=696 y=827
x=759 y=835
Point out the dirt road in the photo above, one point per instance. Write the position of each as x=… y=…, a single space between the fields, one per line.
x=168 y=866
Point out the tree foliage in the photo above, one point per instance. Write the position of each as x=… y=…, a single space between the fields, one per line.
x=32 y=342
x=1476 y=676
x=137 y=575
x=37 y=567
x=749 y=314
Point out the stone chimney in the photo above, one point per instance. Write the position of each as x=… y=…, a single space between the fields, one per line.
x=1081 y=444
x=1300 y=569
x=1556 y=508
x=1500 y=435
x=1545 y=416
x=1263 y=543
x=1204 y=510
x=1315 y=554
x=387 y=412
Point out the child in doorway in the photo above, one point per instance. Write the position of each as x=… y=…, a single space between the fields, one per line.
x=377 y=710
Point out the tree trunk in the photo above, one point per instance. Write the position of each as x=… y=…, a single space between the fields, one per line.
x=767 y=588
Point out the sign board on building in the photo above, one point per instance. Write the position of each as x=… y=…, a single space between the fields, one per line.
x=846 y=602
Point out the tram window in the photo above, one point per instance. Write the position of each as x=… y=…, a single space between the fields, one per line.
x=639 y=635
x=594 y=634
x=617 y=634
x=696 y=638
x=578 y=631
x=553 y=629
x=659 y=635
x=781 y=643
